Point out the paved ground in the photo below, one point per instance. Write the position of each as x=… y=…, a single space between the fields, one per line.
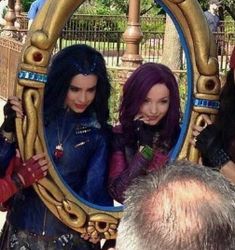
x=2 y=102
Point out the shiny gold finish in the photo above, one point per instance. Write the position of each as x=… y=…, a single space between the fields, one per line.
x=34 y=60
x=200 y=41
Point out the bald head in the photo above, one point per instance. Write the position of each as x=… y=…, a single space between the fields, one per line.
x=182 y=207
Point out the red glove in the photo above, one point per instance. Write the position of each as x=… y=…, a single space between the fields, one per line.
x=25 y=174
x=20 y=175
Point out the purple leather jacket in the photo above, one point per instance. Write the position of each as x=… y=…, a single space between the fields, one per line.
x=127 y=163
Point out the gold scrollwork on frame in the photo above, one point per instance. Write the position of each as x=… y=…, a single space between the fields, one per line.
x=31 y=79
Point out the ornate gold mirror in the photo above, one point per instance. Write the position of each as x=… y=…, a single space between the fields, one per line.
x=202 y=95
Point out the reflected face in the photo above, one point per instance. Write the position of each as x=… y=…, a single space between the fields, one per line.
x=214 y=7
x=81 y=92
x=156 y=104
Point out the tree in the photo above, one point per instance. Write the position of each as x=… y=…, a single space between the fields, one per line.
x=172 y=46
x=116 y=7
x=26 y=5
x=228 y=6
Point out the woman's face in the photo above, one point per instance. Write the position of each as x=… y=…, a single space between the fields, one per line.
x=156 y=104
x=81 y=92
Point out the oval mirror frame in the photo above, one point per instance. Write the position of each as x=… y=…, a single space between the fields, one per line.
x=203 y=89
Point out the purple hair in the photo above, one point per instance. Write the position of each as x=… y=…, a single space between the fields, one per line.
x=135 y=91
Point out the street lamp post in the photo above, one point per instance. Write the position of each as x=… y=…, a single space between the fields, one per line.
x=18 y=8
x=9 y=29
x=133 y=36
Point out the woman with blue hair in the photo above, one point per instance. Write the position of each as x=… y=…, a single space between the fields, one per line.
x=77 y=135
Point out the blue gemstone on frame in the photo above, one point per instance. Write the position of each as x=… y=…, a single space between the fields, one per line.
x=206 y=103
x=28 y=75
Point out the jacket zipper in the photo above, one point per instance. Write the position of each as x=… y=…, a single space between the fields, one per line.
x=44 y=223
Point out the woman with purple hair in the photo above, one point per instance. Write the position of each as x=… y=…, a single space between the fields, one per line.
x=149 y=117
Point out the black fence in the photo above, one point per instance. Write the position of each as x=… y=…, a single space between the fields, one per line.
x=105 y=34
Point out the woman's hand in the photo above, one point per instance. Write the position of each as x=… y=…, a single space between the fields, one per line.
x=141 y=117
x=210 y=144
x=92 y=239
x=197 y=129
x=32 y=170
x=144 y=134
x=11 y=110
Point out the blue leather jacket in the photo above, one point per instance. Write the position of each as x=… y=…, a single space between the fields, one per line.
x=83 y=167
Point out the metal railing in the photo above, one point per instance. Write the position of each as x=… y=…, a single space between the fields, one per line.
x=105 y=34
x=9 y=57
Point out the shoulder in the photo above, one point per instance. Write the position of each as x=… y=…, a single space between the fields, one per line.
x=117 y=129
x=102 y=135
x=32 y=11
x=41 y=3
x=118 y=135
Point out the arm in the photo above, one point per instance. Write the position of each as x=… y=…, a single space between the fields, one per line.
x=21 y=175
x=228 y=170
x=7 y=186
x=159 y=161
x=7 y=151
x=95 y=183
x=11 y=110
x=33 y=10
x=119 y=181
x=121 y=172
x=210 y=144
x=206 y=144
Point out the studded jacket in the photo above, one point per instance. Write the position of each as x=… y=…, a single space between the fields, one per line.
x=83 y=168
x=127 y=163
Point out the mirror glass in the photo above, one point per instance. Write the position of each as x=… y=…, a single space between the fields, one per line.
x=68 y=142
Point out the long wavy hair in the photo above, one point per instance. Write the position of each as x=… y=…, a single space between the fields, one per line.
x=73 y=60
x=135 y=91
x=225 y=119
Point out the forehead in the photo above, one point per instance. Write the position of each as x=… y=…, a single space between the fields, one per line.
x=84 y=81
x=158 y=91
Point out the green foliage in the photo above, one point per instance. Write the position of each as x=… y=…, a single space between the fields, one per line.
x=110 y=7
x=26 y=5
x=153 y=24
x=183 y=93
x=114 y=101
x=228 y=7
x=91 y=27
x=97 y=8
x=4 y=12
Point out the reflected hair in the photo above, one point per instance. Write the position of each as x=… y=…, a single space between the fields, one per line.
x=135 y=91
x=181 y=207
x=67 y=63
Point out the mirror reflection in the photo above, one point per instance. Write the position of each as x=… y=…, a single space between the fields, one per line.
x=149 y=126
x=148 y=121
x=91 y=158
x=75 y=116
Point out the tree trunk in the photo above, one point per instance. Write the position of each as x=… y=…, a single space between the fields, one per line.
x=172 y=50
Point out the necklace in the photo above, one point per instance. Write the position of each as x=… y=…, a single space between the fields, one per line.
x=59 y=150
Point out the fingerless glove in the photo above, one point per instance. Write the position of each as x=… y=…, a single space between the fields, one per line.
x=209 y=143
